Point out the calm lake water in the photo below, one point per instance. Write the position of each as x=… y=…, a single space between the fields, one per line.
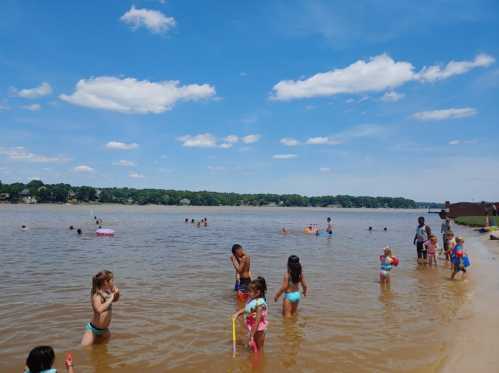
x=176 y=282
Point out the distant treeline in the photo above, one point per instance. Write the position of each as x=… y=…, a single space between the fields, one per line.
x=38 y=192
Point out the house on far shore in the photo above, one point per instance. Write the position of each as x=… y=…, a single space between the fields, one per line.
x=4 y=197
x=185 y=202
x=72 y=197
x=26 y=197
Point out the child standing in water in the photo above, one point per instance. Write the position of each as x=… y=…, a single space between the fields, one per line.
x=102 y=296
x=386 y=266
x=431 y=247
x=329 y=228
x=255 y=314
x=241 y=262
x=41 y=359
x=457 y=256
x=291 y=282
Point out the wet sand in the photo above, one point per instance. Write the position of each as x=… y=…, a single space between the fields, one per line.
x=474 y=339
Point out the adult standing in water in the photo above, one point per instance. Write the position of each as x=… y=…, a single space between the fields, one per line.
x=423 y=232
x=445 y=228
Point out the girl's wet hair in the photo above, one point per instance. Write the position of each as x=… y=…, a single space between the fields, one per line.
x=99 y=279
x=260 y=285
x=294 y=268
x=40 y=358
x=236 y=247
x=388 y=251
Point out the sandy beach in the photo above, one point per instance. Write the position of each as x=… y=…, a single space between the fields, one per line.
x=474 y=339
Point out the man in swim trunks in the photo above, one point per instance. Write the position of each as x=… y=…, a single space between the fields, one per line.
x=241 y=263
x=423 y=233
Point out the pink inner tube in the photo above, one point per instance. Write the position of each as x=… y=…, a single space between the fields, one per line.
x=104 y=232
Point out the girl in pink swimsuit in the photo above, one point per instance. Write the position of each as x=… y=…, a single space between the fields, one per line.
x=432 y=246
x=255 y=314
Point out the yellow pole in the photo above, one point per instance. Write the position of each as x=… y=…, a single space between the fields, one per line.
x=233 y=337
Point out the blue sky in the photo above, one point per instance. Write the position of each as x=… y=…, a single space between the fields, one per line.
x=312 y=97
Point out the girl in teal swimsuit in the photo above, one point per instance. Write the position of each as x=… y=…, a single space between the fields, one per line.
x=291 y=287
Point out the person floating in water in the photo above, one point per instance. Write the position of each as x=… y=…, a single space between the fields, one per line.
x=24 y=227
x=71 y=227
x=41 y=359
x=423 y=232
x=370 y=229
x=186 y=220
x=385 y=229
x=103 y=295
x=291 y=282
x=241 y=262
x=78 y=231
x=284 y=230
x=329 y=228
x=255 y=314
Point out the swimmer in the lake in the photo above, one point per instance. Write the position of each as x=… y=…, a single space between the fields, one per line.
x=385 y=229
x=329 y=228
x=78 y=231
x=186 y=220
x=255 y=314
x=102 y=297
x=241 y=262
x=291 y=282
x=71 y=227
x=24 y=227
x=284 y=230
x=370 y=229
x=41 y=359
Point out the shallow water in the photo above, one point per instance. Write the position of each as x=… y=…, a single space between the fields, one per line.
x=176 y=282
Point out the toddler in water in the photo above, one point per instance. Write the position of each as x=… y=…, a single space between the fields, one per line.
x=102 y=296
x=291 y=287
x=458 y=258
x=387 y=262
x=255 y=314
x=451 y=243
x=431 y=247
x=41 y=359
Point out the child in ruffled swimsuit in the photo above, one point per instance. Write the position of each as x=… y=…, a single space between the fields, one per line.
x=103 y=294
x=386 y=266
x=291 y=287
x=431 y=247
x=255 y=314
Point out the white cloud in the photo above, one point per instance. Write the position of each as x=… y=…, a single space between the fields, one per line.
x=284 y=156
x=436 y=72
x=124 y=163
x=325 y=169
x=323 y=140
x=232 y=139
x=43 y=90
x=226 y=145
x=20 y=153
x=203 y=140
x=153 y=20
x=83 y=169
x=289 y=141
x=116 y=145
x=462 y=142
x=379 y=73
x=392 y=96
x=32 y=107
x=454 y=142
x=135 y=175
x=132 y=96
x=250 y=139
x=452 y=113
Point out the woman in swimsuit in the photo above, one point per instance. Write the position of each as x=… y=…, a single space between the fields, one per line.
x=291 y=287
x=103 y=294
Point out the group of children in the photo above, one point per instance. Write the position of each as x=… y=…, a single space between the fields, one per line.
x=253 y=293
x=203 y=222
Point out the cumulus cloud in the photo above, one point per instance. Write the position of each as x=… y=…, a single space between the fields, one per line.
x=32 y=107
x=132 y=96
x=436 y=72
x=392 y=96
x=20 y=153
x=325 y=169
x=250 y=139
x=454 y=142
x=289 y=141
x=203 y=140
x=153 y=20
x=323 y=140
x=452 y=113
x=231 y=139
x=379 y=73
x=284 y=156
x=42 y=90
x=83 y=169
x=135 y=175
x=226 y=145
x=116 y=145
x=124 y=163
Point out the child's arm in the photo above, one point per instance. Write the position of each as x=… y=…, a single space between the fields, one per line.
x=237 y=265
x=237 y=314
x=283 y=288
x=69 y=363
x=101 y=307
x=304 y=285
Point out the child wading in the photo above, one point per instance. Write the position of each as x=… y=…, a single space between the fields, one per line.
x=102 y=296
x=431 y=247
x=387 y=262
x=241 y=263
x=291 y=282
x=41 y=359
x=255 y=314
x=459 y=259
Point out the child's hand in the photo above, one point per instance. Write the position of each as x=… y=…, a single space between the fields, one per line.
x=116 y=294
x=276 y=298
x=69 y=360
x=235 y=316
